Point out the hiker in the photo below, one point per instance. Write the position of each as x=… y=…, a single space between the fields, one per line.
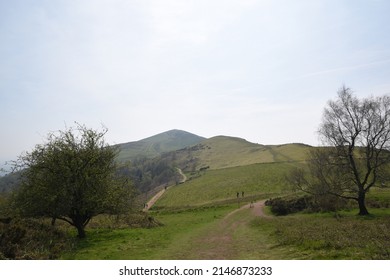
x=238 y=194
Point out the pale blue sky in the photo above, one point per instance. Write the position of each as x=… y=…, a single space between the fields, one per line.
x=260 y=70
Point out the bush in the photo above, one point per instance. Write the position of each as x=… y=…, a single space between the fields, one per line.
x=31 y=239
x=129 y=220
x=325 y=203
x=281 y=206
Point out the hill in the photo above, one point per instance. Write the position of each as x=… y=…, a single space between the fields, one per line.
x=158 y=144
x=221 y=166
x=224 y=151
x=157 y=160
x=256 y=181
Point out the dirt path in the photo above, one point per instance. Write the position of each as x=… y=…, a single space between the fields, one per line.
x=157 y=196
x=184 y=177
x=257 y=209
x=153 y=200
x=229 y=239
x=232 y=237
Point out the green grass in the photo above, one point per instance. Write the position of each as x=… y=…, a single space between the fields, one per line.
x=165 y=242
x=223 y=184
x=194 y=224
x=224 y=152
x=199 y=234
x=189 y=234
x=324 y=236
x=378 y=198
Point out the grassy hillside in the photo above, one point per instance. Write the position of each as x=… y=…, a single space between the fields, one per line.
x=214 y=186
x=223 y=152
x=158 y=144
x=219 y=152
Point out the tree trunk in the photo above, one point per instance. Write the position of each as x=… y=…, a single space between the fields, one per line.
x=78 y=223
x=81 y=231
x=362 y=204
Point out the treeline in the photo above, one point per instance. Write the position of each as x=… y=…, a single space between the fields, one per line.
x=144 y=173
x=9 y=182
x=147 y=174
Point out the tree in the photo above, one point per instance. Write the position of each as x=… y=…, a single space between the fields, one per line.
x=358 y=133
x=72 y=178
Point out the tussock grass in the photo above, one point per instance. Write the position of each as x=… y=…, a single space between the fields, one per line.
x=32 y=239
x=344 y=236
x=129 y=220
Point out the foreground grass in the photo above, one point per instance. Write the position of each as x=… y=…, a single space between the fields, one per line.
x=326 y=236
x=206 y=233
x=148 y=244
x=237 y=237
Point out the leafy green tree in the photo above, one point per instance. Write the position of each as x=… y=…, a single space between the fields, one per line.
x=357 y=133
x=72 y=177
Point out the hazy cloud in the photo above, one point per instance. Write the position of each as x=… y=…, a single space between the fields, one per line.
x=253 y=69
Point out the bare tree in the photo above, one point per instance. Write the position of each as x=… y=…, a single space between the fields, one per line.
x=358 y=133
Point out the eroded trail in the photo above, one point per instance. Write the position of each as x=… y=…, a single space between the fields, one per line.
x=153 y=200
x=157 y=196
x=229 y=239
x=232 y=237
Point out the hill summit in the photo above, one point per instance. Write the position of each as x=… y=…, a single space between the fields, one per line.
x=156 y=145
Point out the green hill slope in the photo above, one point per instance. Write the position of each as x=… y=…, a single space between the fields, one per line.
x=158 y=144
x=223 y=152
x=165 y=152
x=221 y=167
x=261 y=180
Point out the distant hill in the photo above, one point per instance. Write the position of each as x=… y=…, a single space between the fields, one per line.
x=158 y=144
x=155 y=159
x=219 y=167
x=224 y=151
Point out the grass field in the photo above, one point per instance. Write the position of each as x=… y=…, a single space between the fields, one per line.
x=224 y=152
x=195 y=224
x=256 y=180
x=205 y=234
x=191 y=234
x=170 y=241
x=323 y=236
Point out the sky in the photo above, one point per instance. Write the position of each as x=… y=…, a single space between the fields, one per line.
x=261 y=70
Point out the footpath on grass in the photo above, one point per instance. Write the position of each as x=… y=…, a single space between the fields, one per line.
x=243 y=234
x=233 y=236
x=157 y=196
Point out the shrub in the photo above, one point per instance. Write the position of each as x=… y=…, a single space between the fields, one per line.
x=129 y=220
x=284 y=206
x=31 y=239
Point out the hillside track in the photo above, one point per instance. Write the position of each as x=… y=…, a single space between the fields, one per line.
x=157 y=196
x=257 y=210
x=227 y=239
x=153 y=200
x=184 y=177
